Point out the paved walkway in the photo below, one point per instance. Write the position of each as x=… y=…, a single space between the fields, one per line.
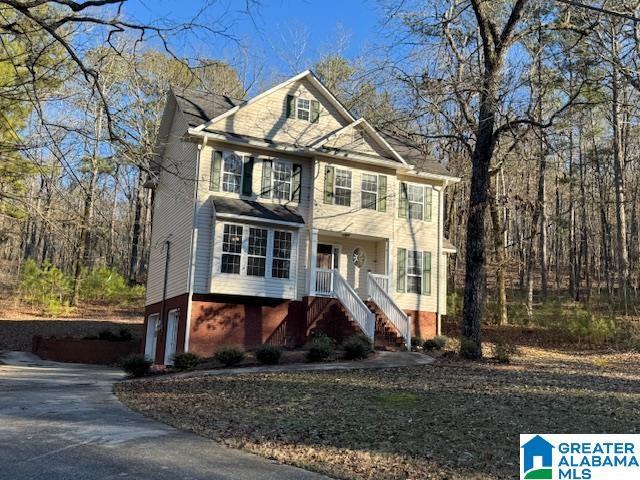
x=62 y=422
x=381 y=360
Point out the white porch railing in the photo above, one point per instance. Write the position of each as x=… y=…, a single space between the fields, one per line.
x=394 y=313
x=382 y=280
x=331 y=283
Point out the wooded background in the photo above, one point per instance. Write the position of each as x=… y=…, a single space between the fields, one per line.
x=534 y=104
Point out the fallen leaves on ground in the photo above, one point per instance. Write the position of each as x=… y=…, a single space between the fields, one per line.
x=452 y=420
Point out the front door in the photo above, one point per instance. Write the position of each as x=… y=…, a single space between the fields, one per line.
x=172 y=337
x=325 y=256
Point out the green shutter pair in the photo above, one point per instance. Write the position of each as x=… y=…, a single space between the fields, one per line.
x=314 y=113
x=216 y=169
x=329 y=179
x=401 y=271
x=403 y=202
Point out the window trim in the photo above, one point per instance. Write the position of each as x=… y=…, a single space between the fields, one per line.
x=244 y=252
x=241 y=156
x=335 y=186
x=239 y=254
x=417 y=255
x=253 y=255
x=425 y=189
x=299 y=109
x=273 y=253
x=375 y=192
x=273 y=179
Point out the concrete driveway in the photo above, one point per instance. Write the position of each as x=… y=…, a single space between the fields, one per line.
x=61 y=421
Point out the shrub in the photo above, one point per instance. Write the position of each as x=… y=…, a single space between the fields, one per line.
x=125 y=335
x=106 y=284
x=185 y=361
x=320 y=348
x=46 y=287
x=230 y=356
x=269 y=354
x=502 y=351
x=440 y=342
x=470 y=350
x=356 y=347
x=136 y=365
x=429 y=344
x=416 y=342
x=107 y=335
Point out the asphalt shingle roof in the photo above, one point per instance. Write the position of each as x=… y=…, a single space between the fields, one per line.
x=250 y=208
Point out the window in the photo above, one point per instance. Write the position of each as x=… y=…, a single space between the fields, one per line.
x=231 y=249
x=231 y=172
x=343 y=187
x=414 y=271
x=304 y=109
x=257 y=252
x=281 y=254
x=282 y=174
x=369 y=191
x=415 y=199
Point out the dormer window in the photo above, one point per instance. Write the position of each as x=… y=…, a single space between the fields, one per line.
x=303 y=109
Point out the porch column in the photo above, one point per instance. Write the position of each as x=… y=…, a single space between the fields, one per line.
x=313 y=253
x=390 y=275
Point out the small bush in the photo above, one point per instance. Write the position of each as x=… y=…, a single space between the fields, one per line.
x=185 y=361
x=429 y=344
x=502 y=351
x=440 y=342
x=269 y=354
x=136 y=365
x=125 y=335
x=416 y=342
x=320 y=348
x=107 y=335
x=470 y=349
x=230 y=356
x=357 y=347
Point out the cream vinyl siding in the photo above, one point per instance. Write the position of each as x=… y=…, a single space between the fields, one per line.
x=243 y=284
x=267 y=117
x=207 y=242
x=345 y=140
x=172 y=215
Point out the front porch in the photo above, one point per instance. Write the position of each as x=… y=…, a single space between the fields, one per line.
x=354 y=270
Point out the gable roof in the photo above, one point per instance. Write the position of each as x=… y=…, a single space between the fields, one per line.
x=315 y=81
x=198 y=106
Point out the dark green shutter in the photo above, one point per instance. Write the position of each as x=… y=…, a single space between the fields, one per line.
x=428 y=202
x=382 y=193
x=401 y=265
x=214 y=174
x=426 y=273
x=265 y=190
x=295 y=182
x=291 y=106
x=315 y=111
x=329 y=174
x=247 y=176
x=402 y=201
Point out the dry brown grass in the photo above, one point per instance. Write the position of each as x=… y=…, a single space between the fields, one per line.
x=453 y=420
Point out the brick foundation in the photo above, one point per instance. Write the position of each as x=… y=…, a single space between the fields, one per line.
x=423 y=324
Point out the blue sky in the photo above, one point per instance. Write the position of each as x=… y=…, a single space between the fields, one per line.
x=273 y=28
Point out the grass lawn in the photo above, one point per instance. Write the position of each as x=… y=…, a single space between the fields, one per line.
x=451 y=420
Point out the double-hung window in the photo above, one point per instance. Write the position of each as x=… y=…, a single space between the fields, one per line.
x=304 y=108
x=415 y=201
x=231 y=172
x=257 y=252
x=231 y=249
x=414 y=271
x=343 y=188
x=281 y=254
x=369 y=187
x=282 y=174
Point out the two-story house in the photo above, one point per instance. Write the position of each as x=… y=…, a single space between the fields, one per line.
x=284 y=214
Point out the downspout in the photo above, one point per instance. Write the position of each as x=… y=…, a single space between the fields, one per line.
x=192 y=250
x=439 y=259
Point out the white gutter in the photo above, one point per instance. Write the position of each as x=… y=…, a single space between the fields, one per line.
x=404 y=169
x=192 y=250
